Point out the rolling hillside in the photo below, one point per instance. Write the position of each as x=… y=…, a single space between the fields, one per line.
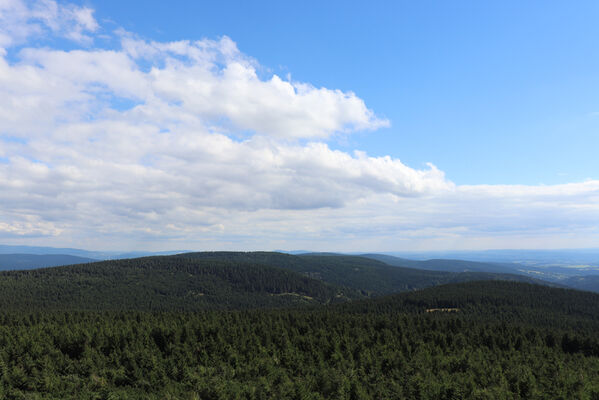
x=162 y=283
x=371 y=277
x=223 y=280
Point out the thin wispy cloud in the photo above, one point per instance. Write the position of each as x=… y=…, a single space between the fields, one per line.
x=24 y=20
x=186 y=144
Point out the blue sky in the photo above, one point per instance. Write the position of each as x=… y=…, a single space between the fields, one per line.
x=490 y=92
x=379 y=126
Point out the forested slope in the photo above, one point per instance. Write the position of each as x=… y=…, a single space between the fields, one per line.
x=385 y=348
x=223 y=280
x=372 y=277
x=161 y=283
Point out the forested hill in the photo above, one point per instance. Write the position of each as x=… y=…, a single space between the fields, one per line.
x=77 y=332
x=224 y=280
x=372 y=277
x=162 y=283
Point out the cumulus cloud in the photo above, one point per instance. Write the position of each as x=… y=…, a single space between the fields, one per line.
x=187 y=142
x=173 y=134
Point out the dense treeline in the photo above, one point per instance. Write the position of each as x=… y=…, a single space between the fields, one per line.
x=513 y=302
x=387 y=348
x=371 y=277
x=273 y=326
x=224 y=280
x=162 y=283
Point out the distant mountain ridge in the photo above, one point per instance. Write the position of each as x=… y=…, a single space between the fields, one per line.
x=562 y=276
x=87 y=254
x=449 y=265
x=522 y=256
x=29 y=261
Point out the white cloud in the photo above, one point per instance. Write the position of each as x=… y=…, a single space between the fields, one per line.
x=20 y=20
x=200 y=136
x=214 y=80
x=185 y=142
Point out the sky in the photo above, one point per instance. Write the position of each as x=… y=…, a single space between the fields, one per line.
x=328 y=126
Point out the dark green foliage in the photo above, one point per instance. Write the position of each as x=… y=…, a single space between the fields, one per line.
x=197 y=327
x=505 y=301
x=488 y=350
x=226 y=280
x=161 y=283
x=370 y=276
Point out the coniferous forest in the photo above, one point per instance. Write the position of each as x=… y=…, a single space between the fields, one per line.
x=243 y=327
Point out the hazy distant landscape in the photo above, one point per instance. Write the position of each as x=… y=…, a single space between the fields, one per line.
x=567 y=268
